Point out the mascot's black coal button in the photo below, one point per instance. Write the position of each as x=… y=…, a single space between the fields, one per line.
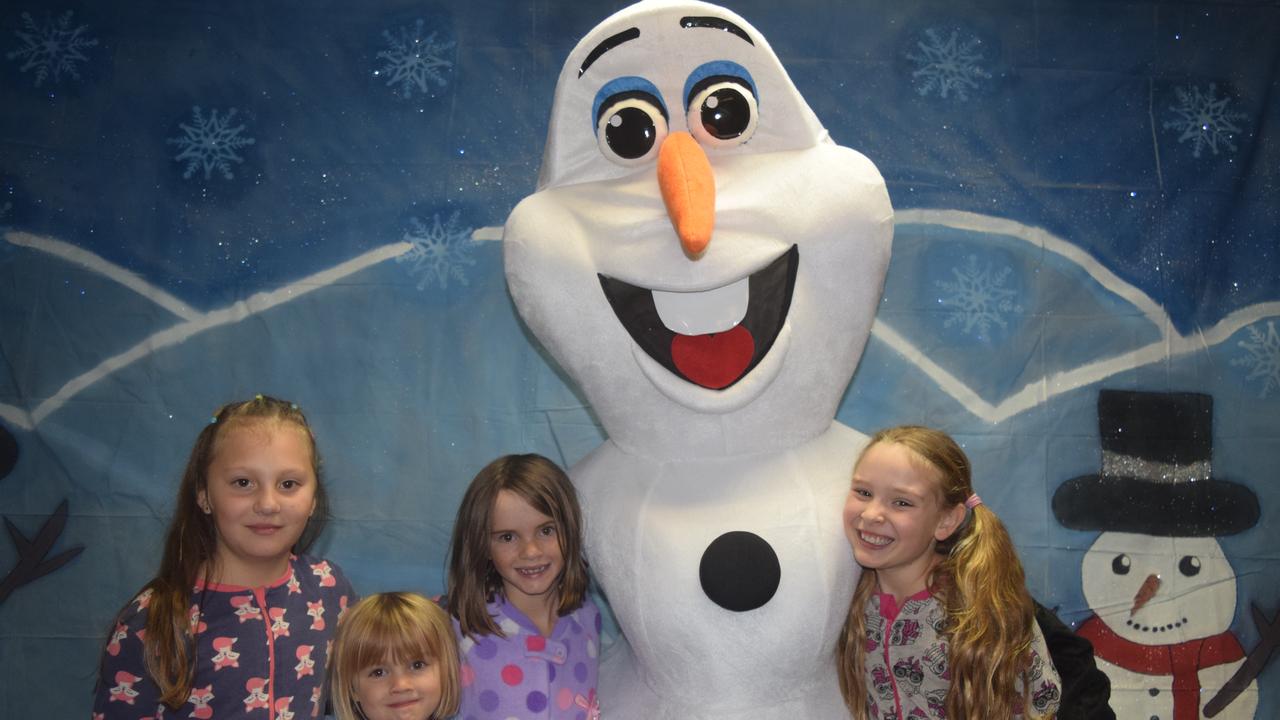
x=739 y=571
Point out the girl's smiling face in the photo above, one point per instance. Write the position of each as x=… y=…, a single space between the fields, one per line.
x=894 y=517
x=261 y=490
x=390 y=690
x=524 y=545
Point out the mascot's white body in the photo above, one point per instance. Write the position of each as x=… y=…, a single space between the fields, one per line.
x=715 y=367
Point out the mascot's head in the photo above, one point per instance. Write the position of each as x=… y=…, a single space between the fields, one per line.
x=699 y=255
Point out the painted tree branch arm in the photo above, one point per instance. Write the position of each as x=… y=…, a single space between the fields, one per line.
x=32 y=564
x=1269 y=631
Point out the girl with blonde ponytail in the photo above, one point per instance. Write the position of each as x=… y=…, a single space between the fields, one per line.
x=941 y=624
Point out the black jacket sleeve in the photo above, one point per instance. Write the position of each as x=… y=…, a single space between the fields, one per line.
x=1086 y=690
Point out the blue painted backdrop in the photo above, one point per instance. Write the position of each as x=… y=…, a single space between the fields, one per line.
x=200 y=202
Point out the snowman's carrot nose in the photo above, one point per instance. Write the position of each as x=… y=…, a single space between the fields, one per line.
x=689 y=191
x=1145 y=593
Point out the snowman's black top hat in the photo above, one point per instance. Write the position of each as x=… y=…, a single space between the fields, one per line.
x=1157 y=476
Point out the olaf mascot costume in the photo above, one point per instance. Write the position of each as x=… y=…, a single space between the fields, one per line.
x=706 y=262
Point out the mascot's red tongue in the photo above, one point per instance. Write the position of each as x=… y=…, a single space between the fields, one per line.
x=714 y=360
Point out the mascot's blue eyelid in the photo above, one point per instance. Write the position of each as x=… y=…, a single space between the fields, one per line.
x=717 y=67
x=625 y=84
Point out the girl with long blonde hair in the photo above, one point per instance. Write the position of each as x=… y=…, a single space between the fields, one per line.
x=941 y=624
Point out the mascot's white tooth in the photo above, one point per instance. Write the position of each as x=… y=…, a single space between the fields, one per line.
x=700 y=313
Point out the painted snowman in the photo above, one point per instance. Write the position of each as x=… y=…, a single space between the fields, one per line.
x=1162 y=591
x=706 y=263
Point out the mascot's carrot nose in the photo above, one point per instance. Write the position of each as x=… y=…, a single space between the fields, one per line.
x=689 y=191
x=1145 y=593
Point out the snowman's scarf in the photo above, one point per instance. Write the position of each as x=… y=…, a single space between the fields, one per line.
x=1182 y=660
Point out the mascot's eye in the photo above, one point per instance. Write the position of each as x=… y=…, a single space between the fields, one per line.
x=722 y=111
x=1189 y=565
x=1121 y=565
x=630 y=126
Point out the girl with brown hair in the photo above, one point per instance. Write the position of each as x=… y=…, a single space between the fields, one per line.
x=528 y=634
x=234 y=624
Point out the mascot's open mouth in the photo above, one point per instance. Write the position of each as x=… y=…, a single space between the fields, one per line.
x=714 y=360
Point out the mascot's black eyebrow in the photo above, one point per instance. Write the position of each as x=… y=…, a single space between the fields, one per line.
x=608 y=44
x=710 y=21
x=691 y=21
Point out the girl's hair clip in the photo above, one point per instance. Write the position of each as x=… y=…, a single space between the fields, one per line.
x=258 y=397
x=293 y=406
x=213 y=419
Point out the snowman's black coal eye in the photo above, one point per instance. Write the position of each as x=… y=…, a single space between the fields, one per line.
x=630 y=126
x=1189 y=565
x=1121 y=565
x=722 y=111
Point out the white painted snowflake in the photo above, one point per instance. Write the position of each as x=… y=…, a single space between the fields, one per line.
x=412 y=60
x=54 y=47
x=439 y=251
x=1204 y=119
x=978 y=297
x=948 y=65
x=1263 y=359
x=210 y=143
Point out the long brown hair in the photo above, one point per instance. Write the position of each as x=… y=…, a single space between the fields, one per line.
x=398 y=627
x=191 y=543
x=979 y=579
x=473 y=580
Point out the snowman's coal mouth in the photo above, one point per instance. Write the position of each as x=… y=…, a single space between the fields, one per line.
x=713 y=360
